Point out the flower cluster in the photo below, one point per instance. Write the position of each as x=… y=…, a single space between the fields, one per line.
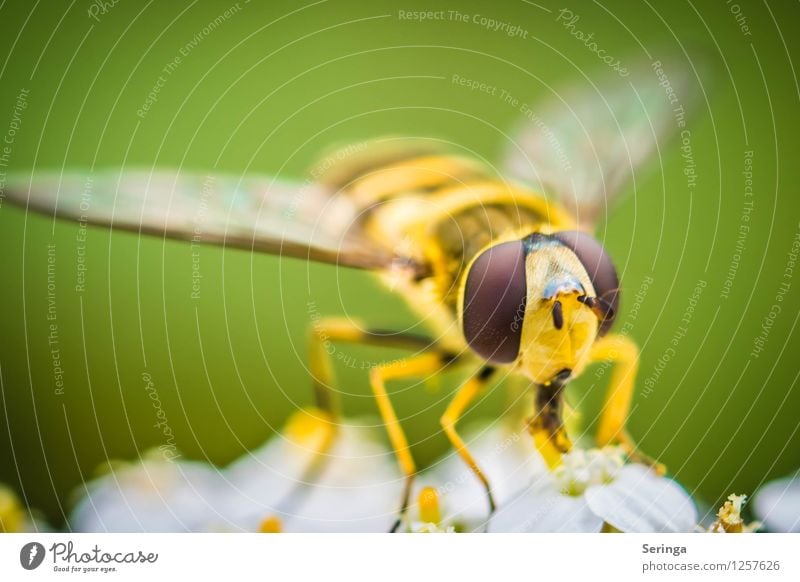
x=354 y=488
x=591 y=491
x=288 y=485
x=729 y=517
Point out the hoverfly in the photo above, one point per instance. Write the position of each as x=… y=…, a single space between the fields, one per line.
x=505 y=270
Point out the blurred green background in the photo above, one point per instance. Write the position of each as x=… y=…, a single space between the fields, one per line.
x=269 y=89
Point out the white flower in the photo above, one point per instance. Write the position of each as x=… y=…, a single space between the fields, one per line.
x=509 y=458
x=591 y=490
x=357 y=488
x=777 y=504
x=595 y=489
x=729 y=517
x=152 y=495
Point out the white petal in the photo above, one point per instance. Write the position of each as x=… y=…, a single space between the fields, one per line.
x=541 y=508
x=155 y=495
x=777 y=504
x=640 y=501
x=508 y=459
x=260 y=479
x=357 y=491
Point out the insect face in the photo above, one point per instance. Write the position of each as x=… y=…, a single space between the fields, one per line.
x=549 y=352
x=535 y=302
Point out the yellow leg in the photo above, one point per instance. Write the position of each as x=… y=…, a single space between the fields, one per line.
x=320 y=346
x=422 y=365
x=625 y=354
x=325 y=417
x=464 y=397
x=329 y=330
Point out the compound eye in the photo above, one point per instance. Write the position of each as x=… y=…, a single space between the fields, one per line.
x=601 y=270
x=494 y=302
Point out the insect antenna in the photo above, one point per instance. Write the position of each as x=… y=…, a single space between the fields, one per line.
x=599 y=304
x=607 y=300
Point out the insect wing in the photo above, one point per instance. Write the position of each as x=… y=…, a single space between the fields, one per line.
x=583 y=144
x=258 y=213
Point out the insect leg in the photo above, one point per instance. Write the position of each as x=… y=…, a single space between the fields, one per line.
x=624 y=353
x=324 y=333
x=331 y=330
x=431 y=360
x=416 y=366
x=319 y=361
x=464 y=397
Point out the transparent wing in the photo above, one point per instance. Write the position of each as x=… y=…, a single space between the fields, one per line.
x=255 y=212
x=584 y=143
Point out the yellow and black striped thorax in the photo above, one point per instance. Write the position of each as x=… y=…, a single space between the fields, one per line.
x=441 y=210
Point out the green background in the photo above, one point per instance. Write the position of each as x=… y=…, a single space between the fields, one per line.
x=273 y=87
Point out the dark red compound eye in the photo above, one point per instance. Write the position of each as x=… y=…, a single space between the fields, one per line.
x=601 y=270
x=494 y=302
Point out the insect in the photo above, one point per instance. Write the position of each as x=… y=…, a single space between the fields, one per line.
x=502 y=265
